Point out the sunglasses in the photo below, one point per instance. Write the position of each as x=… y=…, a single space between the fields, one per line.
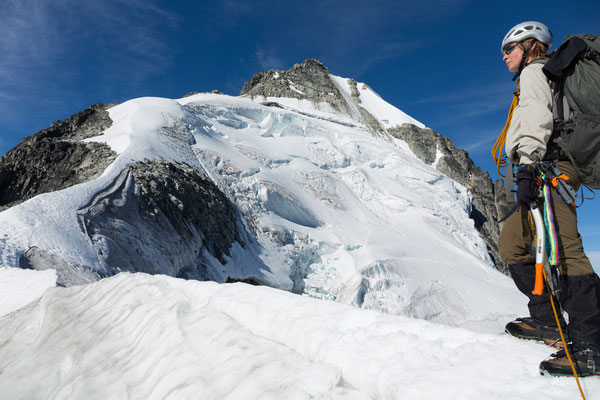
x=509 y=48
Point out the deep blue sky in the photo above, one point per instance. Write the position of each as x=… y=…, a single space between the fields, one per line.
x=437 y=60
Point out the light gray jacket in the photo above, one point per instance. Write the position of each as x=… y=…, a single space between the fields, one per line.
x=531 y=124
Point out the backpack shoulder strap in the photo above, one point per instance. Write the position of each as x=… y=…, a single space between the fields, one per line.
x=563 y=58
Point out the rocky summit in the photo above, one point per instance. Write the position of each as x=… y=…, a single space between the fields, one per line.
x=306 y=81
x=172 y=214
x=311 y=80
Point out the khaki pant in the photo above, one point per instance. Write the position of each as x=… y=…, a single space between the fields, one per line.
x=516 y=237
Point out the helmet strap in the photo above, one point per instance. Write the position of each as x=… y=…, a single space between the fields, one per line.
x=523 y=64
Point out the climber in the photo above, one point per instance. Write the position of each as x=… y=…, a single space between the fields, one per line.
x=529 y=142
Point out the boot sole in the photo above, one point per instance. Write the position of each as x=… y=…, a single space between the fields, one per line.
x=568 y=375
x=550 y=342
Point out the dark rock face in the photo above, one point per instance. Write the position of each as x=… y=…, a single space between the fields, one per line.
x=161 y=217
x=487 y=206
x=190 y=201
x=422 y=142
x=310 y=81
x=307 y=81
x=55 y=158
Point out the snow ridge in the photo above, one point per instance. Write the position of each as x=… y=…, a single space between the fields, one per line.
x=154 y=337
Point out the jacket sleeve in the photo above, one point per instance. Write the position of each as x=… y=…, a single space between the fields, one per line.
x=531 y=124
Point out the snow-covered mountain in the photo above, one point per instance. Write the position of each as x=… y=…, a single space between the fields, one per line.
x=307 y=182
x=304 y=193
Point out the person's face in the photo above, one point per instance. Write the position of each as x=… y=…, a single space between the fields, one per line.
x=513 y=53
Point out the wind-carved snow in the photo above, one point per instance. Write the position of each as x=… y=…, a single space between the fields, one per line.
x=155 y=337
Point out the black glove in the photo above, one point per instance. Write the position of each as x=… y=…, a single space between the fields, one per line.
x=527 y=188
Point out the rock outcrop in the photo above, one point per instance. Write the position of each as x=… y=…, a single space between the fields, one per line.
x=311 y=81
x=162 y=217
x=307 y=81
x=56 y=158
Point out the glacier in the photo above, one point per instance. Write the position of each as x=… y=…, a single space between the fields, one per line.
x=336 y=212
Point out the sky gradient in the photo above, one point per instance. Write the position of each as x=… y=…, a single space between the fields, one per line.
x=437 y=60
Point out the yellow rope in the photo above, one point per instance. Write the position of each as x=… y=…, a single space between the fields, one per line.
x=499 y=145
x=562 y=337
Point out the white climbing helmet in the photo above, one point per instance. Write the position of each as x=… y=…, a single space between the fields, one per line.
x=526 y=30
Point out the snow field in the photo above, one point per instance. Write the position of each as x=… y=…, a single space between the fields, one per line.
x=138 y=336
x=19 y=287
x=388 y=115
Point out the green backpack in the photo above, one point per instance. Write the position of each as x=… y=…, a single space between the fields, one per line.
x=574 y=69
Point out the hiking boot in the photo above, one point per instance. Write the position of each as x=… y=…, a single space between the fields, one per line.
x=587 y=363
x=527 y=328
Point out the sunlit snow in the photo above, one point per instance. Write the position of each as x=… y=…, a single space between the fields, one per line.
x=155 y=337
x=337 y=214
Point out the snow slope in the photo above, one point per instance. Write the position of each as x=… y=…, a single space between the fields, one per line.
x=336 y=212
x=387 y=115
x=155 y=337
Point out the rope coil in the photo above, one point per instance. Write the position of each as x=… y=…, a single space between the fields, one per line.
x=499 y=159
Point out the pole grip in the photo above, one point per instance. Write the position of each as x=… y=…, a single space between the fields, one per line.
x=539 y=279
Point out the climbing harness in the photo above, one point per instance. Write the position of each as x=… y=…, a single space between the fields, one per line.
x=549 y=170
